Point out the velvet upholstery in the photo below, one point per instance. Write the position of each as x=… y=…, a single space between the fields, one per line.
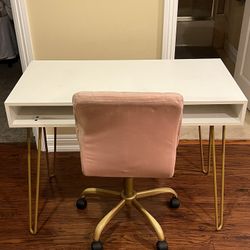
x=128 y=134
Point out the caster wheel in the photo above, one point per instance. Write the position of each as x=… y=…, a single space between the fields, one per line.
x=96 y=245
x=81 y=203
x=174 y=202
x=161 y=245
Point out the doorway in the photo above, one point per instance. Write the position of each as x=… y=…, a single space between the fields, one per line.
x=209 y=29
x=8 y=42
x=10 y=71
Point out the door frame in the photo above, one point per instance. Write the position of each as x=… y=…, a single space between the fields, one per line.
x=239 y=76
x=169 y=28
x=23 y=33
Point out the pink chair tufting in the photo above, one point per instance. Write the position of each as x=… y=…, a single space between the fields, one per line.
x=128 y=135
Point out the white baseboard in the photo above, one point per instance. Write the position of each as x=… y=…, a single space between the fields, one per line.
x=231 y=51
x=64 y=143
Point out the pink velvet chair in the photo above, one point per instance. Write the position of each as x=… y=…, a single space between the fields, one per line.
x=128 y=135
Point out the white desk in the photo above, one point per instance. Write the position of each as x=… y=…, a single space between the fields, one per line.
x=43 y=95
x=42 y=98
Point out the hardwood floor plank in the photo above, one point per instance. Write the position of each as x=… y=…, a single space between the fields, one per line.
x=62 y=226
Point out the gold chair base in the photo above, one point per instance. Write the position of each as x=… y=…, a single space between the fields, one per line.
x=129 y=197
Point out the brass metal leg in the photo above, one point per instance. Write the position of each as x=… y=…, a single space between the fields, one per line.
x=99 y=191
x=219 y=210
x=54 y=161
x=155 y=191
x=51 y=174
x=106 y=219
x=204 y=170
x=33 y=226
x=46 y=152
x=151 y=219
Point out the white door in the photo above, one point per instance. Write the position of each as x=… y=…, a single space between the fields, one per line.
x=242 y=69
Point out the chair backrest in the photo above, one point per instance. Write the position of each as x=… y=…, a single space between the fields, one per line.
x=128 y=134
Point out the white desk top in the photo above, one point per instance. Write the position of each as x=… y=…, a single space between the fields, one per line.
x=53 y=83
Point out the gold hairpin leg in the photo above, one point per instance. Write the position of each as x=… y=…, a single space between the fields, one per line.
x=46 y=151
x=203 y=168
x=51 y=174
x=54 y=161
x=219 y=210
x=33 y=226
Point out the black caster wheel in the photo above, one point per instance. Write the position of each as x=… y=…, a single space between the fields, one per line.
x=161 y=245
x=96 y=245
x=174 y=202
x=81 y=203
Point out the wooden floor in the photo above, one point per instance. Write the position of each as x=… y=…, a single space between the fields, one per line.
x=62 y=226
